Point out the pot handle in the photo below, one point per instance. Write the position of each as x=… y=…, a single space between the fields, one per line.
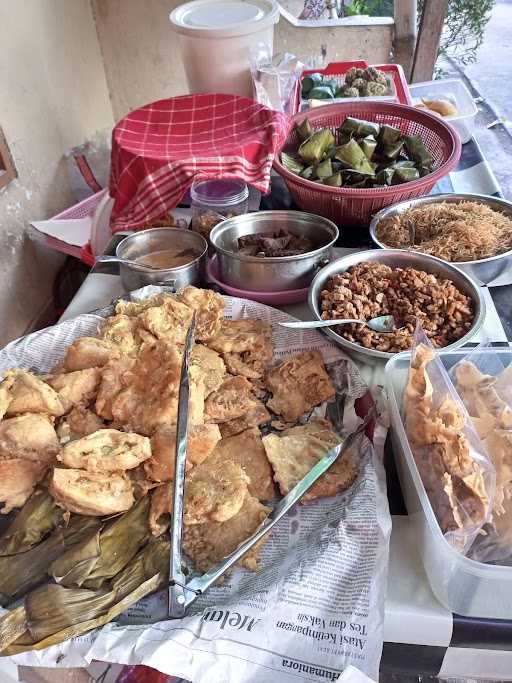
x=322 y=263
x=167 y=283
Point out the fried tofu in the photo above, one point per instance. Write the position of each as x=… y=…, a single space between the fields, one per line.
x=209 y=543
x=106 y=450
x=246 y=449
x=210 y=367
x=91 y=493
x=29 y=394
x=18 y=479
x=30 y=437
x=209 y=308
x=202 y=439
x=149 y=397
x=296 y=451
x=298 y=384
x=231 y=400
x=239 y=336
x=87 y=352
x=214 y=494
x=76 y=388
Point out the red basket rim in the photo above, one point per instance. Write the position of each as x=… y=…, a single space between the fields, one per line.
x=401 y=110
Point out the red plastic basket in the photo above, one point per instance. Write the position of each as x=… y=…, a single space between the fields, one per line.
x=356 y=206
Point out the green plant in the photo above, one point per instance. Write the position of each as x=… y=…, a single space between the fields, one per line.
x=373 y=8
x=464 y=28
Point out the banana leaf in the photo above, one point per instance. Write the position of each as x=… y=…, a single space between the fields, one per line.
x=152 y=559
x=405 y=175
x=368 y=145
x=103 y=554
x=353 y=158
x=404 y=164
x=391 y=150
x=418 y=152
x=385 y=176
x=321 y=92
x=359 y=128
x=313 y=149
x=310 y=81
x=388 y=135
x=31 y=524
x=333 y=180
x=308 y=173
x=291 y=163
x=324 y=170
x=304 y=129
x=20 y=573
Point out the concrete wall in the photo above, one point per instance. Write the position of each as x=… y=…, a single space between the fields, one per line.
x=53 y=95
x=142 y=56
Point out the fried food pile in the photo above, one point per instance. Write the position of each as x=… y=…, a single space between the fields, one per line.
x=87 y=452
x=453 y=477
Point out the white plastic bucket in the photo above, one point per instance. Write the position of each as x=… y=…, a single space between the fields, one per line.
x=216 y=37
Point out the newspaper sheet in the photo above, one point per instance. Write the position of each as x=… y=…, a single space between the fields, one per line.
x=316 y=606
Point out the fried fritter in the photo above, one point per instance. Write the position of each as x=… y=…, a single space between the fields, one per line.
x=214 y=494
x=78 y=422
x=239 y=336
x=111 y=384
x=246 y=449
x=231 y=400
x=133 y=308
x=91 y=493
x=76 y=388
x=5 y=393
x=202 y=439
x=210 y=366
x=18 y=479
x=30 y=437
x=167 y=322
x=29 y=394
x=298 y=384
x=207 y=544
x=161 y=506
x=295 y=451
x=149 y=398
x=254 y=417
x=106 y=450
x=250 y=364
x=122 y=332
x=209 y=308
x=88 y=352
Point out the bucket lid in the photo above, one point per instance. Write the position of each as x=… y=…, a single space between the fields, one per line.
x=224 y=18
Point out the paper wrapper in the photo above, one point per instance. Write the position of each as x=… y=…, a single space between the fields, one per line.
x=316 y=606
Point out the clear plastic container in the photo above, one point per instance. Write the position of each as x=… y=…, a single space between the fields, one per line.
x=453 y=90
x=214 y=200
x=462 y=585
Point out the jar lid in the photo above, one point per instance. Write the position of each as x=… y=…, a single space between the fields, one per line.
x=224 y=18
x=219 y=192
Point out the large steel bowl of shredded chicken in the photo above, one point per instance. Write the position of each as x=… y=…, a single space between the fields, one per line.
x=472 y=231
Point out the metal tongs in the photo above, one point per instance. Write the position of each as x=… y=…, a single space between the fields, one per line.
x=181 y=593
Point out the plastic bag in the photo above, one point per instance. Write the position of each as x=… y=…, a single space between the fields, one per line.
x=483 y=380
x=456 y=471
x=274 y=78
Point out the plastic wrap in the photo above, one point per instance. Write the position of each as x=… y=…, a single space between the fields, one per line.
x=454 y=466
x=275 y=78
x=484 y=383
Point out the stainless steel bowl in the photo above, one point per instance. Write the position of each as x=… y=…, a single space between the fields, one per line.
x=277 y=273
x=484 y=271
x=156 y=239
x=396 y=258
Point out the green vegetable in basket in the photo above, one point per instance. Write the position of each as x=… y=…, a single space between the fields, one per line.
x=353 y=158
x=304 y=129
x=358 y=128
x=313 y=149
x=334 y=180
x=291 y=163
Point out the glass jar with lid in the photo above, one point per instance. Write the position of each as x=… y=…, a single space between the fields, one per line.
x=216 y=199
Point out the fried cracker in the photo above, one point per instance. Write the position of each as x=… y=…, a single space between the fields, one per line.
x=298 y=384
x=207 y=544
x=295 y=451
x=209 y=308
x=246 y=449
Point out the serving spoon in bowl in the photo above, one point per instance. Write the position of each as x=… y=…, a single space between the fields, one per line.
x=383 y=324
x=104 y=258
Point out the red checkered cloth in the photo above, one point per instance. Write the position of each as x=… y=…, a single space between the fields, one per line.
x=158 y=150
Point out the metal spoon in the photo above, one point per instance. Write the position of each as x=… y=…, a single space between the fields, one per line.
x=384 y=324
x=124 y=261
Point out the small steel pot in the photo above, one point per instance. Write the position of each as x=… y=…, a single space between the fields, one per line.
x=484 y=271
x=157 y=239
x=276 y=273
x=395 y=258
